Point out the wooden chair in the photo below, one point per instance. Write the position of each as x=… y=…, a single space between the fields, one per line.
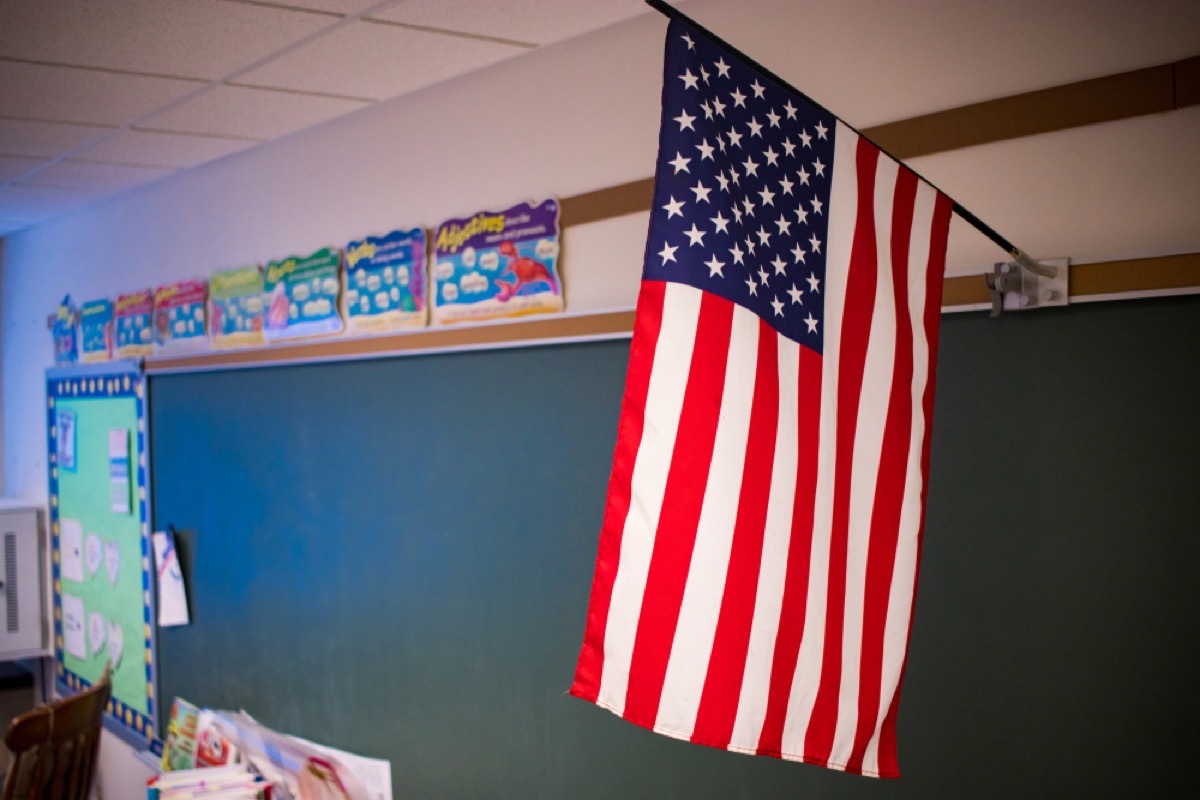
x=54 y=747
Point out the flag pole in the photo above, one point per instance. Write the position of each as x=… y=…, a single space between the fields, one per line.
x=1019 y=255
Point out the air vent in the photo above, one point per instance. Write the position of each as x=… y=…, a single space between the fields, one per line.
x=10 y=581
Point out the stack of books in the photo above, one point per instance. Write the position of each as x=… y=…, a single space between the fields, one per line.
x=234 y=782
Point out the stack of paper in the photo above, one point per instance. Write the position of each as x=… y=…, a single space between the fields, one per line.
x=215 y=783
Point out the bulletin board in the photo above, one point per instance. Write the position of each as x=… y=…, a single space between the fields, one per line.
x=103 y=598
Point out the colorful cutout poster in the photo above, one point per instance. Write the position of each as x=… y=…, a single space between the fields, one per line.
x=302 y=295
x=96 y=331
x=236 y=311
x=100 y=540
x=497 y=264
x=66 y=343
x=385 y=282
x=135 y=336
x=179 y=316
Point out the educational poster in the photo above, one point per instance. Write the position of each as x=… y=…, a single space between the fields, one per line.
x=236 y=311
x=385 y=282
x=66 y=343
x=96 y=331
x=179 y=316
x=100 y=539
x=302 y=295
x=132 y=313
x=497 y=264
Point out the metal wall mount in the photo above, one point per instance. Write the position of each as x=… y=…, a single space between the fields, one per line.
x=1024 y=284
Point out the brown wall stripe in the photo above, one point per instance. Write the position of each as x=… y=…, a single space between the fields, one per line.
x=1112 y=277
x=1127 y=94
x=1187 y=82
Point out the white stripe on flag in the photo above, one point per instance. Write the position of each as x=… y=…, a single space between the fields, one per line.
x=868 y=444
x=664 y=400
x=768 y=599
x=843 y=200
x=701 y=606
x=900 y=600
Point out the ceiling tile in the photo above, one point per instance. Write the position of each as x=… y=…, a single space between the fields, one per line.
x=366 y=59
x=149 y=148
x=13 y=167
x=66 y=94
x=331 y=6
x=534 y=21
x=180 y=38
x=248 y=112
x=49 y=139
x=101 y=177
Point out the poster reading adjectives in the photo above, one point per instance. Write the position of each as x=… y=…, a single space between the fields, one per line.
x=385 y=282
x=497 y=264
x=135 y=336
x=236 y=311
x=96 y=331
x=179 y=315
x=302 y=296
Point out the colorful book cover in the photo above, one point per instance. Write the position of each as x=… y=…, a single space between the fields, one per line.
x=213 y=749
x=236 y=311
x=497 y=264
x=96 y=330
x=385 y=282
x=179 y=315
x=66 y=341
x=179 y=748
x=135 y=336
x=302 y=295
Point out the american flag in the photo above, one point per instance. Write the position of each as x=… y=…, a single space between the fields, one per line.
x=758 y=558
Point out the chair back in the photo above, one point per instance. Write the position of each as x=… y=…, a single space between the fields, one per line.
x=54 y=747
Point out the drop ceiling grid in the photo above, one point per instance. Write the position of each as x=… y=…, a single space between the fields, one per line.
x=198 y=39
x=77 y=78
x=376 y=61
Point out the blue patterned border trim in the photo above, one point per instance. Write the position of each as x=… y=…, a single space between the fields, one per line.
x=101 y=381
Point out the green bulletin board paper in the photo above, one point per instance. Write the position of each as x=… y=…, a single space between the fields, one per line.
x=109 y=576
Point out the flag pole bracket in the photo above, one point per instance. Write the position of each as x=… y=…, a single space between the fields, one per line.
x=1024 y=284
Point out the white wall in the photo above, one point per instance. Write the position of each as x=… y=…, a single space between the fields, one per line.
x=562 y=120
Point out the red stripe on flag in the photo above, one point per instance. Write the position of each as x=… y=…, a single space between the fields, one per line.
x=647 y=324
x=890 y=481
x=795 y=587
x=717 y=711
x=682 y=501
x=888 y=762
x=856 y=328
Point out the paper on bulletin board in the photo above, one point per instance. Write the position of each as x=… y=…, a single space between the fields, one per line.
x=64 y=440
x=118 y=470
x=172 y=597
x=75 y=638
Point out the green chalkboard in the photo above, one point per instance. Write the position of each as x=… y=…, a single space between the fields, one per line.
x=394 y=557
